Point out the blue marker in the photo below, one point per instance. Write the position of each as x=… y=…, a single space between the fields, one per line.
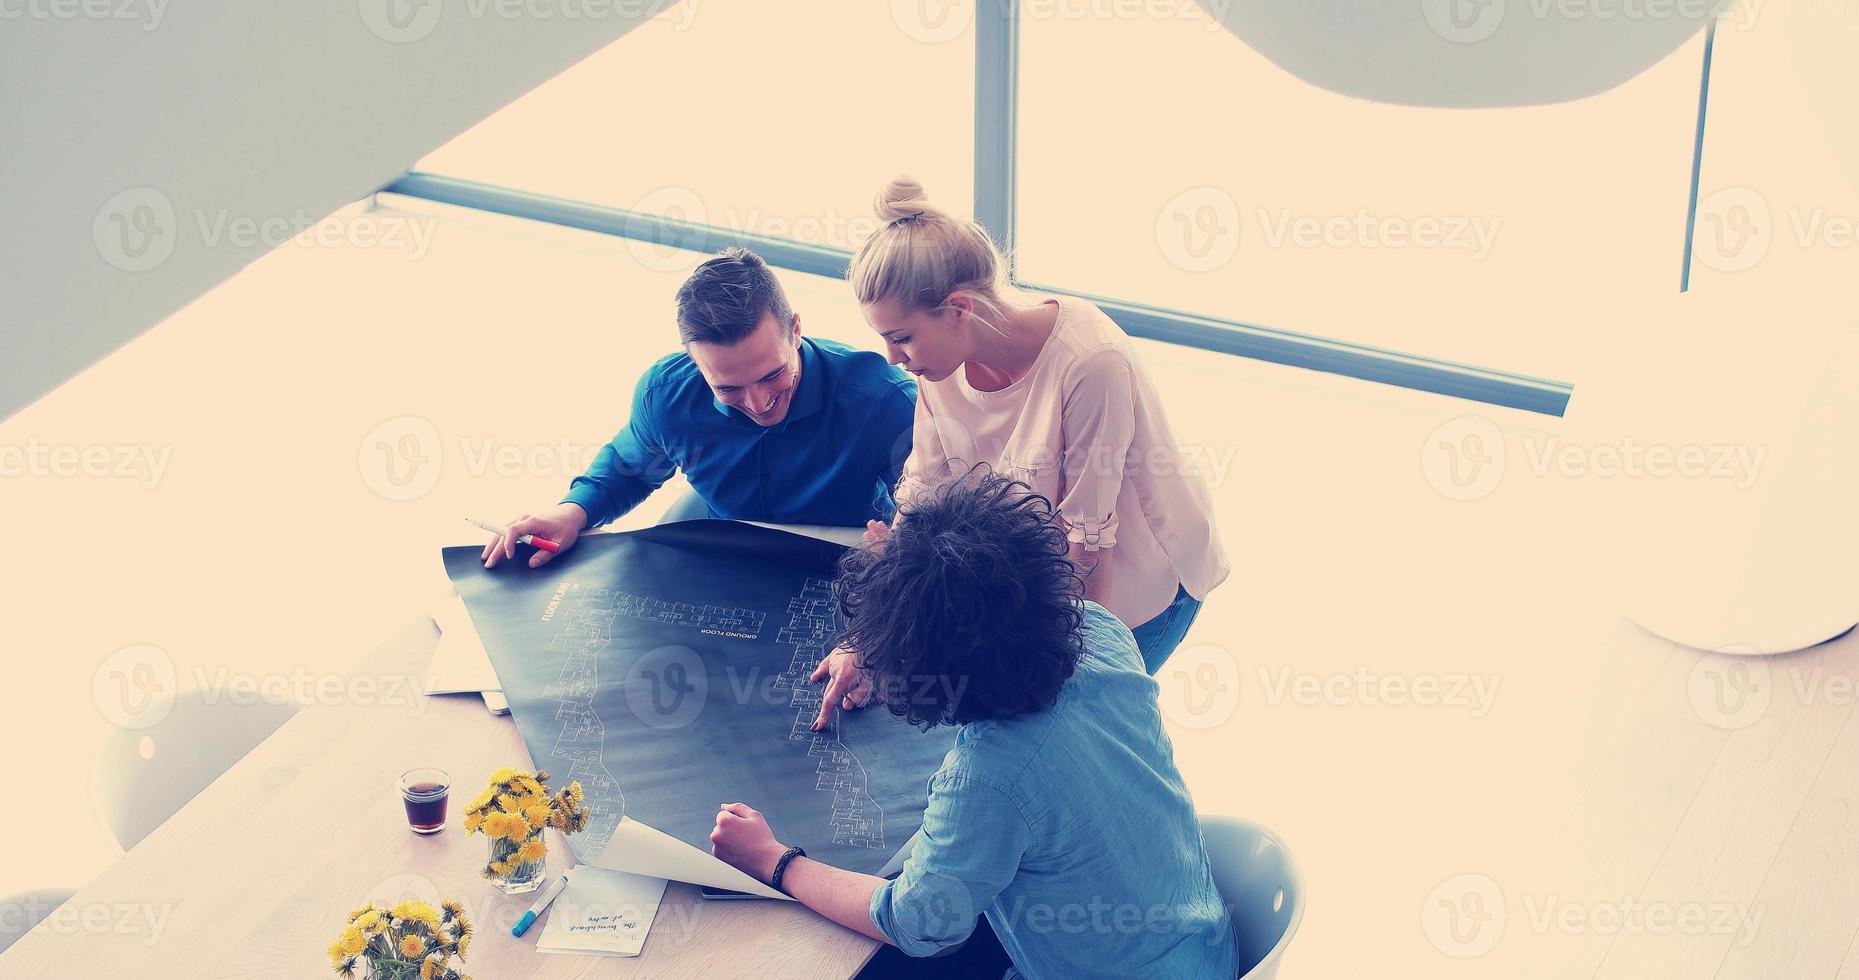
x=542 y=902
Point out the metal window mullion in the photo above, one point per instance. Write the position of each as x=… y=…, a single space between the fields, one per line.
x=997 y=98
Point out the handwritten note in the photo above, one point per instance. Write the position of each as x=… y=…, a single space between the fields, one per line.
x=602 y=912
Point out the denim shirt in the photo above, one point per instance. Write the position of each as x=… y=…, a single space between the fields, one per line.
x=1071 y=830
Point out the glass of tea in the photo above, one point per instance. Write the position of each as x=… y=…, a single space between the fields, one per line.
x=424 y=790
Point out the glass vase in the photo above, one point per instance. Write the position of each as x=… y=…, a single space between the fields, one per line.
x=525 y=877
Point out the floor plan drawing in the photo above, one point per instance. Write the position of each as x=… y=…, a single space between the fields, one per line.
x=858 y=821
x=667 y=671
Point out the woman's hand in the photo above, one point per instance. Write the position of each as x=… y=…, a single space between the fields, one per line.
x=743 y=841
x=875 y=533
x=847 y=684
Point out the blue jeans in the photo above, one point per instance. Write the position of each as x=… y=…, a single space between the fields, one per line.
x=1159 y=637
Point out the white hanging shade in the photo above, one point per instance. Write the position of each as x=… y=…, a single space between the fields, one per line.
x=1464 y=53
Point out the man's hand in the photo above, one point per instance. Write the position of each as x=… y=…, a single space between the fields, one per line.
x=561 y=525
x=847 y=685
x=743 y=841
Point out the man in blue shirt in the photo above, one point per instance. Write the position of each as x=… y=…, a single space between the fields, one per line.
x=1059 y=816
x=766 y=424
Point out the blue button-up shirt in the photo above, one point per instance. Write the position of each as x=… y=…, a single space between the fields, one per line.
x=1071 y=830
x=832 y=460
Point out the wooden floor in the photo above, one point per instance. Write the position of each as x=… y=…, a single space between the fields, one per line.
x=1731 y=793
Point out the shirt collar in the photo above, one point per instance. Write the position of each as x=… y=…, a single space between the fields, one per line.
x=809 y=395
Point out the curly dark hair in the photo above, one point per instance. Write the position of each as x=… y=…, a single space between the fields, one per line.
x=970 y=609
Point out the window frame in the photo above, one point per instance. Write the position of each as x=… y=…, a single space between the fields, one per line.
x=997 y=70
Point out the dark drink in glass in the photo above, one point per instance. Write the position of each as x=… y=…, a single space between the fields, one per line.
x=424 y=792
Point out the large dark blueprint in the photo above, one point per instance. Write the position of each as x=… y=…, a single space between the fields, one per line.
x=666 y=669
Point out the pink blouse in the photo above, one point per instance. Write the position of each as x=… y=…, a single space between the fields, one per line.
x=1086 y=429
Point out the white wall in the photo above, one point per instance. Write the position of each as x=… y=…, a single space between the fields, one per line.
x=139 y=137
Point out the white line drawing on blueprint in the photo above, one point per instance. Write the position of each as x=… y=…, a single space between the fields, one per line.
x=585 y=634
x=586 y=631
x=858 y=820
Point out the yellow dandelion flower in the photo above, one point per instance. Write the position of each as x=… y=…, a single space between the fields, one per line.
x=336 y=956
x=543 y=775
x=473 y=821
x=532 y=850
x=371 y=922
x=427 y=966
x=412 y=946
x=359 y=909
x=500 y=867
x=515 y=828
x=353 y=942
x=414 y=910
x=537 y=814
x=452 y=909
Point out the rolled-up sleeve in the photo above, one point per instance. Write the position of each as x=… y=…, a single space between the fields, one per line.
x=1098 y=424
x=928 y=462
x=628 y=468
x=970 y=846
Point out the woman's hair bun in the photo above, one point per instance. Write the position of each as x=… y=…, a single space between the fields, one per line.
x=899 y=199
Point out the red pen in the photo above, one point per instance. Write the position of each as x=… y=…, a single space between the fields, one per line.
x=544 y=543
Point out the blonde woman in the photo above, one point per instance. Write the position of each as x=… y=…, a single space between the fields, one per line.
x=1049 y=391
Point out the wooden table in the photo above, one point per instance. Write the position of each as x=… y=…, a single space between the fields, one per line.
x=256 y=876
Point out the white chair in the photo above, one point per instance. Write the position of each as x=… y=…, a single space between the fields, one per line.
x=1259 y=883
x=143 y=776
x=19 y=913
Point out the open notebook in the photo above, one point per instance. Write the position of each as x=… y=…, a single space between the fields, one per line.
x=603 y=912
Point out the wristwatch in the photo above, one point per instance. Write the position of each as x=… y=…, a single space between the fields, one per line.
x=774 y=880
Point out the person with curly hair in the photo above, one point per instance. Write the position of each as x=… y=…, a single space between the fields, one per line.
x=1058 y=833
